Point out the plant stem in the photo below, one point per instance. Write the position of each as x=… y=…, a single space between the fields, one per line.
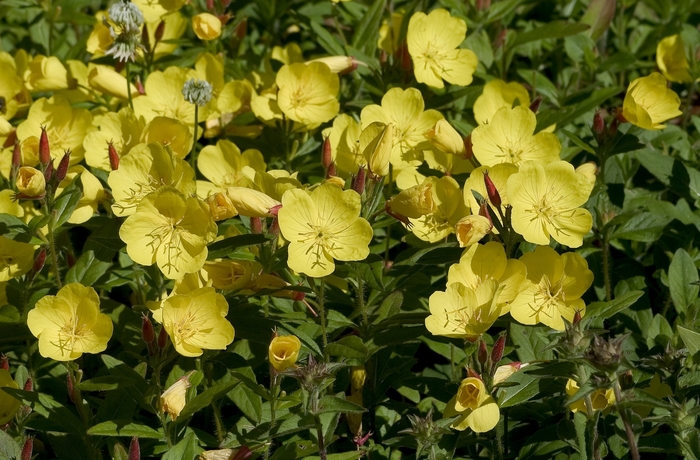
x=322 y=312
x=631 y=441
x=52 y=250
x=593 y=427
x=688 y=105
x=361 y=300
x=128 y=86
x=274 y=386
x=606 y=266
x=321 y=440
x=194 y=140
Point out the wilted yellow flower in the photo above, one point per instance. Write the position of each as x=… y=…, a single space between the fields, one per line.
x=600 y=398
x=284 y=351
x=171 y=230
x=464 y=312
x=546 y=202
x=30 y=181
x=477 y=409
x=224 y=164
x=122 y=128
x=376 y=143
x=227 y=274
x=307 y=92
x=46 y=74
x=8 y=405
x=92 y=194
x=108 y=81
x=554 y=288
x=220 y=206
x=197 y=321
x=338 y=64
x=648 y=102
x=206 y=26
x=144 y=170
x=16 y=258
x=496 y=95
x=432 y=41
x=671 y=60
x=344 y=137
x=322 y=226
x=414 y=202
x=471 y=229
x=446 y=138
x=70 y=323
x=510 y=138
x=389 y=33
x=504 y=372
x=174 y=399
x=483 y=262
x=450 y=208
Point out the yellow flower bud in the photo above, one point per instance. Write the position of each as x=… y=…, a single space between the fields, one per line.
x=229 y=274
x=600 y=398
x=446 y=138
x=338 y=64
x=8 y=405
x=354 y=418
x=173 y=399
x=284 y=351
x=376 y=142
x=251 y=203
x=358 y=375
x=30 y=181
x=471 y=229
x=414 y=202
x=504 y=372
x=221 y=207
x=206 y=26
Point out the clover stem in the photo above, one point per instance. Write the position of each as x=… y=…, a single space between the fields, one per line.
x=631 y=441
x=194 y=140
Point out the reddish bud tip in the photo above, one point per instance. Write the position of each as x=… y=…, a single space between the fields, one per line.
x=331 y=171
x=113 y=156
x=358 y=184
x=160 y=30
x=243 y=453
x=48 y=172
x=577 y=317
x=483 y=5
x=162 y=339
x=16 y=161
x=468 y=149
x=147 y=331
x=70 y=384
x=145 y=39
x=29 y=384
x=535 y=105
x=361 y=440
x=241 y=28
x=483 y=353
x=275 y=210
x=4 y=363
x=62 y=169
x=27 y=449
x=210 y=5
x=274 y=227
x=472 y=373
x=256 y=225
x=500 y=39
x=497 y=350
x=491 y=190
x=484 y=212
x=326 y=153
x=139 y=86
x=70 y=259
x=39 y=261
x=134 y=449
x=406 y=63
x=44 y=149
x=299 y=296
x=598 y=123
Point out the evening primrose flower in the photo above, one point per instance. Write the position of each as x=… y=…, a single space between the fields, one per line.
x=8 y=405
x=499 y=175
x=206 y=26
x=171 y=230
x=432 y=41
x=376 y=143
x=46 y=73
x=496 y=95
x=600 y=398
x=164 y=96
x=16 y=258
x=171 y=132
x=475 y=406
x=30 y=181
x=284 y=351
x=546 y=203
x=228 y=275
x=413 y=202
x=321 y=226
x=464 y=312
x=649 y=102
x=196 y=321
x=389 y=33
x=482 y=262
x=307 y=92
x=70 y=323
x=224 y=165
x=446 y=138
x=174 y=399
x=510 y=138
x=144 y=170
x=554 y=288
x=471 y=229
x=108 y=81
x=123 y=129
x=450 y=208
x=671 y=60
x=344 y=137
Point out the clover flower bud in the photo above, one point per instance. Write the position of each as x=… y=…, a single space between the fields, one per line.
x=44 y=149
x=197 y=91
x=125 y=44
x=62 y=169
x=39 y=261
x=27 y=449
x=598 y=123
x=491 y=190
x=497 y=350
x=31 y=182
x=134 y=449
x=358 y=183
x=126 y=15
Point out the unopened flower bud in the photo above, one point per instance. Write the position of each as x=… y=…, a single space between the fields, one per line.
x=30 y=181
x=134 y=449
x=62 y=169
x=446 y=138
x=414 y=202
x=326 y=153
x=491 y=190
x=48 y=172
x=113 y=156
x=358 y=183
x=44 y=149
x=497 y=350
x=145 y=40
x=339 y=64
x=29 y=384
x=210 y=5
x=39 y=261
x=598 y=15
x=243 y=453
x=483 y=5
x=221 y=207
x=206 y=26
x=331 y=171
x=299 y=296
x=241 y=29
x=471 y=229
x=147 y=331
x=162 y=339
x=358 y=376
x=473 y=373
x=256 y=225
x=16 y=161
x=577 y=317
x=500 y=39
x=139 y=86
x=468 y=149
x=503 y=372
x=70 y=259
x=197 y=91
x=535 y=105
x=378 y=141
x=251 y=203
x=160 y=30
x=598 y=123
x=482 y=353
x=284 y=351
x=27 y=449
x=405 y=57
x=173 y=399
x=4 y=363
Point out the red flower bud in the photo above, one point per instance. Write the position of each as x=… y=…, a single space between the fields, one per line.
x=134 y=449
x=70 y=259
x=162 y=339
x=483 y=353
x=299 y=296
x=159 y=31
x=361 y=440
x=598 y=123
x=113 y=156
x=612 y=129
x=48 y=172
x=39 y=261
x=406 y=63
x=16 y=162
x=274 y=227
x=500 y=39
x=4 y=363
x=256 y=225
x=326 y=153
x=468 y=149
x=497 y=350
x=139 y=86
x=275 y=209
x=577 y=318
x=44 y=149
x=484 y=211
x=27 y=449
x=243 y=453
x=535 y=105
x=210 y=5
x=241 y=28
x=62 y=169
x=472 y=373
x=29 y=384
x=358 y=184
x=145 y=40
x=70 y=384
x=491 y=190
x=482 y=5
x=147 y=331
x=331 y=171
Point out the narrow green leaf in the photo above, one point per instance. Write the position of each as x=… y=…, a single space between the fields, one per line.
x=326 y=40
x=691 y=339
x=367 y=30
x=186 y=449
x=348 y=347
x=682 y=273
x=554 y=29
x=66 y=203
x=605 y=310
x=527 y=386
x=336 y=404
x=205 y=398
x=125 y=428
x=226 y=246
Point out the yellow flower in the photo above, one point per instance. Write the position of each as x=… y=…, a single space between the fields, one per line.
x=175 y=26
x=389 y=33
x=196 y=321
x=224 y=164
x=227 y=274
x=108 y=81
x=496 y=95
x=275 y=182
x=600 y=398
x=414 y=202
x=554 y=288
x=671 y=60
x=509 y=138
x=11 y=86
x=464 y=312
x=251 y=203
x=93 y=193
x=322 y=226
x=546 y=202
x=284 y=351
x=338 y=64
x=307 y=93
x=66 y=127
x=30 y=181
x=220 y=206
x=450 y=208
x=122 y=128
x=344 y=137
x=171 y=230
x=471 y=229
x=174 y=399
x=171 y=132
x=404 y=109
x=446 y=138
x=70 y=323
x=476 y=407
x=505 y=371
x=100 y=38
x=8 y=405
x=290 y=54
x=376 y=143
x=432 y=42
x=16 y=258
x=482 y=262
x=144 y=170
x=164 y=97
x=206 y=26
x=46 y=74
x=648 y=102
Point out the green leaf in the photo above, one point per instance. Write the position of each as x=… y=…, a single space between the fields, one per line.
x=555 y=29
x=691 y=339
x=226 y=246
x=646 y=227
x=530 y=347
x=348 y=347
x=682 y=273
x=527 y=386
x=565 y=115
x=445 y=253
x=367 y=31
x=66 y=203
x=326 y=40
x=51 y=409
x=87 y=270
x=247 y=401
x=105 y=383
x=13 y=228
x=605 y=310
x=8 y=447
x=578 y=141
x=336 y=404
x=125 y=428
x=104 y=241
x=186 y=449
x=205 y=398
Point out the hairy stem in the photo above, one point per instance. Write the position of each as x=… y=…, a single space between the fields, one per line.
x=631 y=440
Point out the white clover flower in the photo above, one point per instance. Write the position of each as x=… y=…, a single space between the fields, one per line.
x=126 y=14
x=125 y=45
x=197 y=91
